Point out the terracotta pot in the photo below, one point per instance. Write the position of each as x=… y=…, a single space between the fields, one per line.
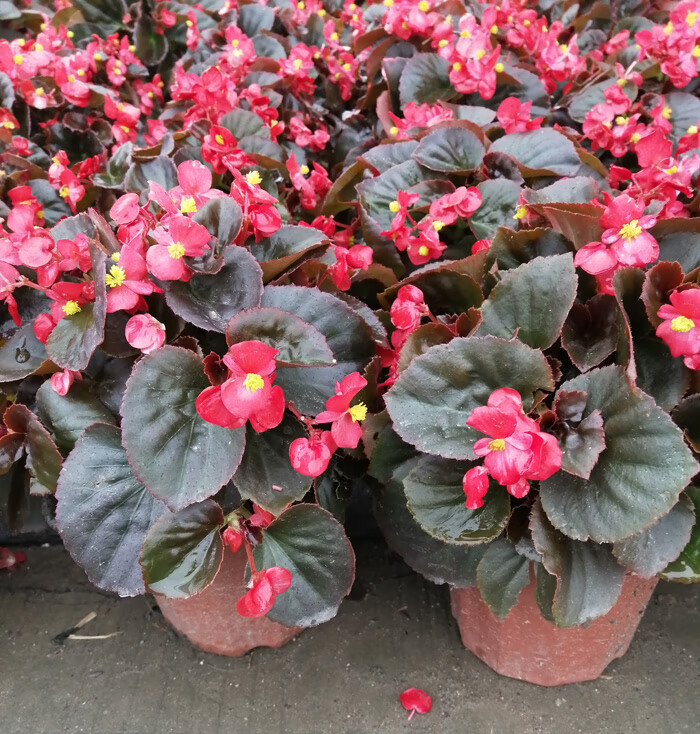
x=210 y=620
x=526 y=646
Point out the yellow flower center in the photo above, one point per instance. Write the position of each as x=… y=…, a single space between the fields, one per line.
x=666 y=113
x=347 y=67
x=81 y=72
x=442 y=43
x=358 y=412
x=188 y=205
x=304 y=169
x=17 y=58
x=394 y=207
x=39 y=47
x=115 y=277
x=691 y=18
x=219 y=139
x=457 y=66
x=499 y=68
x=693 y=130
x=636 y=137
x=498 y=444
x=480 y=53
x=563 y=48
x=438 y=225
x=253 y=177
x=63 y=191
x=8 y=125
x=494 y=29
x=668 y=28
x=189 y=23
x=682 y=324
x=388 y=3
x=176 y=250
x=621 y=120
x=71 y=78
x=520 y=212
x=465 y=34
x=39 y=91
x=393 y=131
x=253 y=382
x=115 y=256
x=424 y=6
x=526 y=23
x=696 y=52
x=630 y=231
x=621 y=82
x=670 y=171
x=423 y=250
x=297 y=63
x=70 y=308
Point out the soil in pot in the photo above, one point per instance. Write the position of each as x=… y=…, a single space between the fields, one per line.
x=526 y=646
x=210 y=620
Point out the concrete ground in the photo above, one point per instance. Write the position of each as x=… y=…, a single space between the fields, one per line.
x=341 y=678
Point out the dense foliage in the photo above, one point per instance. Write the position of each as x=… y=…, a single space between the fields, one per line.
x=255 y=255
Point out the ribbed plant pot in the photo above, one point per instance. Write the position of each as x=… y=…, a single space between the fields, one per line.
x=526 y=646
x=210 y=620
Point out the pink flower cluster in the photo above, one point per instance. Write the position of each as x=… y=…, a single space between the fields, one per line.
x=515 y=452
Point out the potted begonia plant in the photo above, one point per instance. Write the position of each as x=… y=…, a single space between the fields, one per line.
x=179 y=360
x=539 y=442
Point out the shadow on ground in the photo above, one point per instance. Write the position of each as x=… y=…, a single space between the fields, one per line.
x=341 y=678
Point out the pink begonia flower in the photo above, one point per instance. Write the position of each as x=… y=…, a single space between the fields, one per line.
x=514 y=116
x=345 y=429
x=61 y=381
x=182 y=238
x=416 y=701
x=248 y=393
x=145 y=332
x=127 y=281
x=310 y=456
x=681 y=326
x=515 y=452
x=265 y=586
x=233 y=538
x=409 y=308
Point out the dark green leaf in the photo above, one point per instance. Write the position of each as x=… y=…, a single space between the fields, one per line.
x=649 y=552
x=687 y=416
x=43 y=459
x=117 y=167
x=532 y=300
x=581 y=444
x=297 y=342
x=222 y=217
x=161 y=170
x=209 y=301
x=450 y=150
x=67 y=416
x=242 y=123
x=441 y=563
x=682 y=247
x=21 y=353
x=589 y=579
x=499 y=201
x=310 y=543
x=182 y=552
x=419 y=341
x=346 y=333
x=686 y=568
x=265 y=474
x=576 y=190
x=658 y=373
x=685 y=112
x=501 y=575
x=425 y=78
x=590 y=332
x=511 y=249
x=638 y=477
x=151 y=46
x=177 y=455
x=432 y=399
x=540 y=152
x=289 y=246
x=436 y=499
x=545 y=589
x=103 y=512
